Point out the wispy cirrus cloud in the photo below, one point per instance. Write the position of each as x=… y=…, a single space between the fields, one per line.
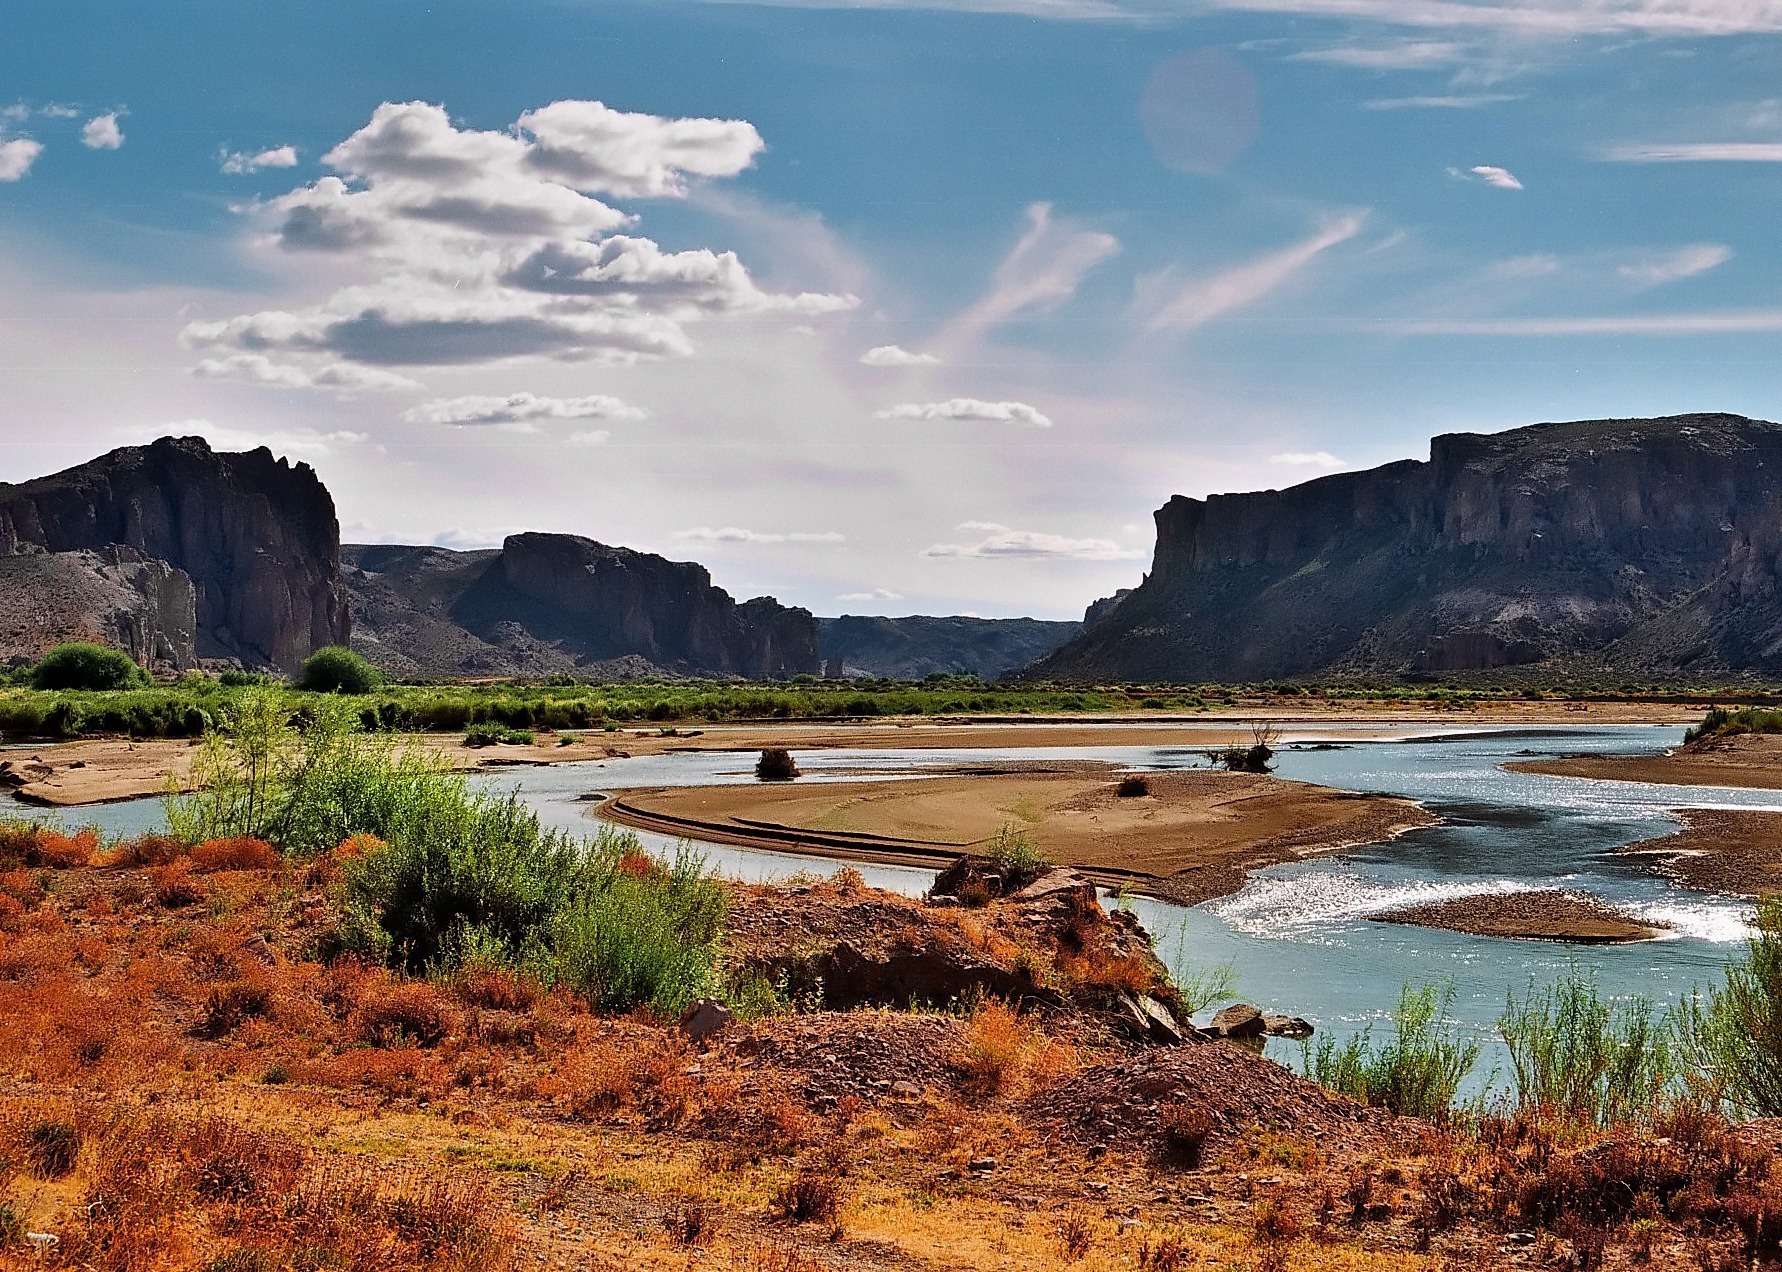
x=1693 y=152
x=1730 y=322
x=1308 y=459
x=1490 y=174
x=968 y=410
x=1656 y=269
x=736 y=534
x=1164 y=302
x=1039 y=274
x=1460 y=101
x=1404 y=55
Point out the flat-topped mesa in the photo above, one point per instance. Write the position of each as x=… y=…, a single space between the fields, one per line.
x=256 y=535
x=559 y=603
x=1650 y=542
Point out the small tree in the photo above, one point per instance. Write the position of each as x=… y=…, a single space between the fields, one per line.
x=776 y=765
x=82 y=665
x=337 y=669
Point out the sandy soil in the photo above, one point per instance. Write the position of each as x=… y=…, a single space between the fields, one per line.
x=104 y=770
x=1547 y=915
x=1733 y=852
x=1751 y=760
x=1193 y=838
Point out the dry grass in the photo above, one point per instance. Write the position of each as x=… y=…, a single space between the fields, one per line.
x=1004 y=1054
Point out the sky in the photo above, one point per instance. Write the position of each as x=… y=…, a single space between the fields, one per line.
x=915 y=306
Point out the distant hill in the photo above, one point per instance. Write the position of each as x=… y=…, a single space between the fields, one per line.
x=545 y=604
x=918 y=646
x=1650 y=545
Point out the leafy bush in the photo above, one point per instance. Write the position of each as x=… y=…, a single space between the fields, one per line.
x=1575 y=1056
x=1416 y=1073
x=337 y=669
x=491 y=734
x=1733 y=1034
x=776 y=765
x=82 y=665
x=1015 y=858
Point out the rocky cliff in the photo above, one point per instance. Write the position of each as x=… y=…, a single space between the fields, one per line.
x=255 y=537
x=1649 y=545
x=546 y=604
x=917 y=646
x=140 y=605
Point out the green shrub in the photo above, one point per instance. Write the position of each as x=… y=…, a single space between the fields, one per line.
x=337 y=669
x=1583 y=1059
x=1416 y=1073
x=82 y=665
x=1733 y=1034
x=1016 y=858
x=641 y=935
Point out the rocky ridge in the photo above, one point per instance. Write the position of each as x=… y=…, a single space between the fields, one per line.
x=921 y=645
x=1646 y=545
x=545 y=604
x=254 y=537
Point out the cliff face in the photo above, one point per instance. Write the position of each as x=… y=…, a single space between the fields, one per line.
x=1650 y=544
x=917 y=646
x=557 y=603
x=256 y=537
x=143 y=606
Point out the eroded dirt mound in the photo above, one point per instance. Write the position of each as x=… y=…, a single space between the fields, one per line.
x=868 y=1055
x=1121 y=1105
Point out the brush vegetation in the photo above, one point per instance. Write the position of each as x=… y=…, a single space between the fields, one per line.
x=1417 y=1071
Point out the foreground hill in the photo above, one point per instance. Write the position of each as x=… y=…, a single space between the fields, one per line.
x=1645 y=545
x=917 y=646
x=225 y=555
x=545 y=604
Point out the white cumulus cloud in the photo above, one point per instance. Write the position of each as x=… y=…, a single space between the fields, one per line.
x=1498 y=178
x=1308 y=459
x=240 y=161
x=520 y=408
x=892 y=356
x=968 y=410
x=999 y=542
x=736 y=534
x=484 y=247
x=17 y=156
x=877 y=594
x=343 y=377
x=102 y=132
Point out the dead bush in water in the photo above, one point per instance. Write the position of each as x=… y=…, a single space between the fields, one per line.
x=776 y=765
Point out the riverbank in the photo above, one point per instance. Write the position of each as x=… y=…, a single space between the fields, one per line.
x=1543 y=915
x=1751 y=760
x=105 y=770
x=1193 y=837
x=1732 y=852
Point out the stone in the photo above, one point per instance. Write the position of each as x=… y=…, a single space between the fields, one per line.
x=705 y=1017
x=981 y=1165
x=1162 y=1025
x=905 y=1090
x=1240 y=1020
x=1286 y=1027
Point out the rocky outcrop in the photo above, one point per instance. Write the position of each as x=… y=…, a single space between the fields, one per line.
x=918 y=646
x=546 y=604
x=254 y=536
x=116 y=597
x=1646 y=545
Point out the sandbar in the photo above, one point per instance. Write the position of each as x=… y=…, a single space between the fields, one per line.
x=1752 y=760
x=1734 y=852
x=1548 y=914
x=1194 y=837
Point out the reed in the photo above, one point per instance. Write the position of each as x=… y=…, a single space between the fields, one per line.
x=1416 y=1072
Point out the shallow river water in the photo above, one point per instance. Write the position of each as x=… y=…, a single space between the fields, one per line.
x=1298 y=934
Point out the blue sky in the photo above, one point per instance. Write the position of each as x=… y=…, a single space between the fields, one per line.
x=485 y=268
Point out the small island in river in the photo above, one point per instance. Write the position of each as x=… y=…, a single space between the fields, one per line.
x=1547 y=914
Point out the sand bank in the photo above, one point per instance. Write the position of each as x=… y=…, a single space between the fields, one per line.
x=1546 y=915
x=1733 y=852
x=1193 y=838
x=1752 y=760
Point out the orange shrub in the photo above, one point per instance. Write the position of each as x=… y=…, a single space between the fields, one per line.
x=407 y=1014
x=63 y=852
x=174 y=886
x=145 y=850
x=243 y=852
x=1003 y=1054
